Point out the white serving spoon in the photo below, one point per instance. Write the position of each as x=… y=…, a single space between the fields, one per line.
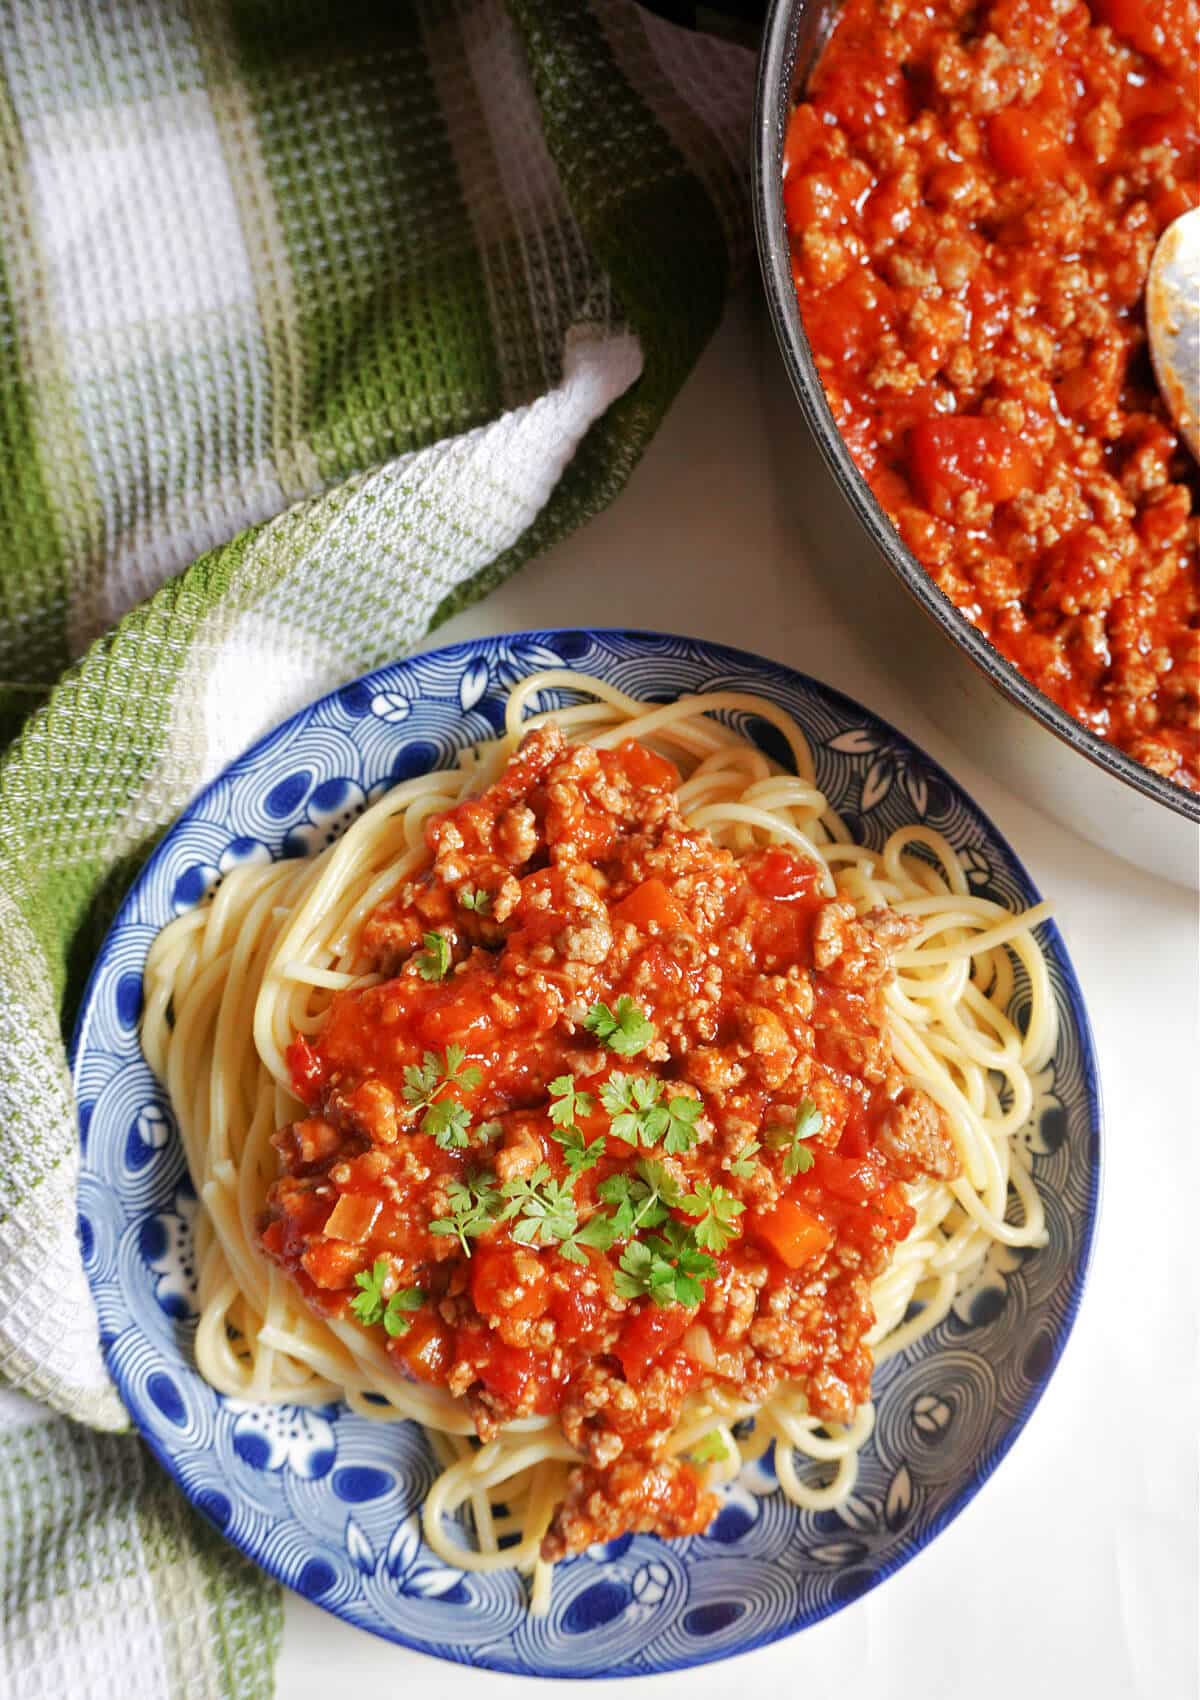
x=1173 y=321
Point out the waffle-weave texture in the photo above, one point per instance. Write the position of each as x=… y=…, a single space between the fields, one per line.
x=316 y=321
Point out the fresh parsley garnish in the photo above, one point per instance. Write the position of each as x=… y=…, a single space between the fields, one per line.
x=449 y=1122
x=541 y=1208
x=473 y=1206
x=578 y=1154
x=798 y=1159
x=423 y=1083
x=395 y=1319
x=444 y=1119
x=709 y=1449
x=668 y=1268
x=640 y=1200
x=545 y=1213
x=745 y=1162
x=718 y=1211
x=625 y=1030
x=682 y=1113
x=634 y=1102
x=599 y=1233
x=368 y=1306
x=433 y=963
x=371 y=1307
x=568 y=1103
x=423 y=1080
x=478 y=900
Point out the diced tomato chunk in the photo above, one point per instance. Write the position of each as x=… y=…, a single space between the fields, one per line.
x=649 y=903
x=508 y=1371
x=952 y=454
x=846 y=321
x=805 y=135
x=577 y=1312
x=331 y=1263
x=499 y=1273
x=646 y=768
x=464 y=1021
x=1176 y=127
x=862 y=91
x=901 y=1213
x=793 y=1233
x=305 y=1068
x=1160 y=29
x=1022 y=146
x=426 y=1351
x=854 y=1180
x=647 y=1334
x=533 y=922
x=271 y=1238
x=782 y=875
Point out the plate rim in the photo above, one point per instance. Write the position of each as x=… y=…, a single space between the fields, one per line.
x=983 y=1467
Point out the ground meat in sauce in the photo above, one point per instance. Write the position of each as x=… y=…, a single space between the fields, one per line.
x=973 y=196
x=765 y=997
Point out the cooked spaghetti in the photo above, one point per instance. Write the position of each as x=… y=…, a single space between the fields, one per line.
x=601 y=1106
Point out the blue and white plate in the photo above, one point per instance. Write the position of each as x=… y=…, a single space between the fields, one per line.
x=329 y=1502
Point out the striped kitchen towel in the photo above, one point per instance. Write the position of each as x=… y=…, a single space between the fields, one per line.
x=353 y=307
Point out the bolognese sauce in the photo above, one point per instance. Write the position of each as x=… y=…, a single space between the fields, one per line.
x=973 y=195
x=617 y=1121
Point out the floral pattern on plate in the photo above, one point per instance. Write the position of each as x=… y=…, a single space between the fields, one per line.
x=329 y=1501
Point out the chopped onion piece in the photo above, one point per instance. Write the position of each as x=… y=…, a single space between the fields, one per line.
x=352 y=1217
x=697 y=1343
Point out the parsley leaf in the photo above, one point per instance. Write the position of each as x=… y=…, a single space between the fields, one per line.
x=456 y=1073
x=448 y=1122
x=543 y=1209
x=395 y=1321
x=595 y=1233
x=370 y=1306
x=433 y=963
x=635 y=1275
x=717 y=1210
x=421 y=1083
x=809 y=1122
x=578 y=1155
x=634 y=1102
x=600 y=1232
x=473 y=1206
x=568 y=1102
x=478 y=901
x=745 y=1163
x=682 y=1112
x=660 y=1181
x=445 y=1119
x=709 y=1449
x=668 y=1268
x=692 y=1266
x=625 y=1030
x=641 y=1200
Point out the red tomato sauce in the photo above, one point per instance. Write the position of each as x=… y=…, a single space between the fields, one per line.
x=973 y=197
x=569 y=892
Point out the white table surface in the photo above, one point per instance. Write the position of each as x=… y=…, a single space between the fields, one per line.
x=1074 y=1572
